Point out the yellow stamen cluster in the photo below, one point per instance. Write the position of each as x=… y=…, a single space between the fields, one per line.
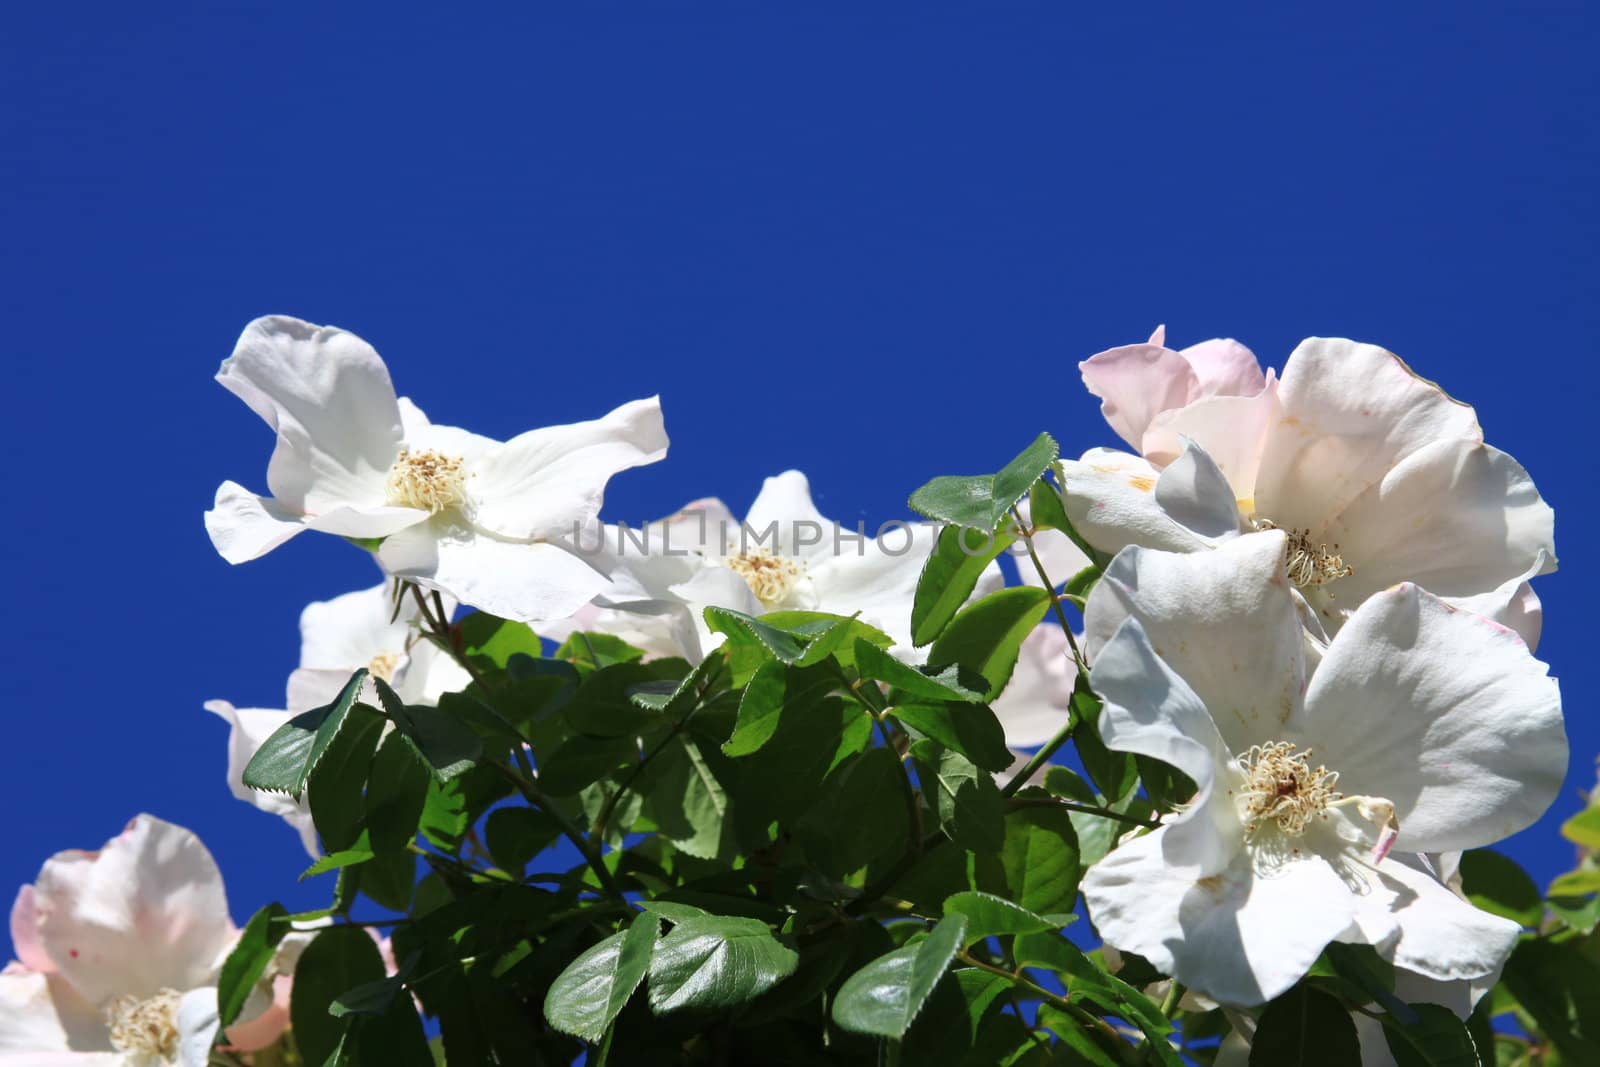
x=1282 y=787
x=427 y=480
x=771 y=578
x=1309 y=565
x=383 y=665
x=147 y=1027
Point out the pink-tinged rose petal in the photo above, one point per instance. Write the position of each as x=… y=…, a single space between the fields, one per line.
x=25 y=933
x=1224 y=367
x=1135 y=383
x=264 y=1029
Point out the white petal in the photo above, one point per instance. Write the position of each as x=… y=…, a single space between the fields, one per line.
x=1137 y=382
x=311 y=688
x=147 y=912
x=248 y=729
x=1514 y=605
x=1060 y=557
x=1443 y=712
x=1194 y=492
x=547 y=482
x=244 y=526
x=1225 y=367
x=429 y=675
x=1152 y=711
x=717 y=587
x=1232 y=430
x=1034 y=705
x=1441 y=936
x=784 y=504
x=28 y=1020
x=328 y=395
x=515 y=580
x=705 y=526
x=348 y=631
x=1457 y=517
x=1235 y=936
x=25 y=933
x=1350 y=412
x=424 y=436
x=1224 y=621
x=1111 y=499
x=197 y=1026
x=375 y=521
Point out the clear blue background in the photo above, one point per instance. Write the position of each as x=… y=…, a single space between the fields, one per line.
x=872 y=247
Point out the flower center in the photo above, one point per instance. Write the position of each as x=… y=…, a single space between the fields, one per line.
x=1282 y=787
x=427 y=480
x=1310 y=565
x=383 y=665
x=771 y=578
x=148 y=1027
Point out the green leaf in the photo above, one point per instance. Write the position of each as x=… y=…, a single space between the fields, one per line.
x=597 y=651
x=982 y=501
x=397 y=792
x=885 y=996
x=746 y=631
x=248 y=960
x=286 y=759
x=716 y=961
x=1113 y=773
x=827 y=636
x=1576 y=913
x=335 y=861
x=374 y=998
x=685 y=799
x=1305 y=1028
x=1066 y=782
x=445 y=743
x=583 y=760
x=862 y=814
x=970 y=729
x=1583 y=828
x=911 y=684
x=388 y=878
x=1496 y=884
x=1555 y=983
x=587 y=997
x=335 y=785
x=1574 y=884
x=1435 y=1039
x=968 y=804
x=1040 y=860
x=991 y=916
x=772 y=690
x=785 y=776
x=951 y=573
x=497 y=640
x=986 y=636
x=515 y=835
x=338 y=960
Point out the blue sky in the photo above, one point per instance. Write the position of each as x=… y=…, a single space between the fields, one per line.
x=873 y=247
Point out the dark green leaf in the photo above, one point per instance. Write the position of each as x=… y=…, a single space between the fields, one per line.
x=744 y=630
x=951 y=573
x=374 y=998
x=991 y=916
x=1305 y=1028
x=597 y=650
x=1435 y=1038
x=448 y=745
x=335 y=787
x=257 y=944
x=582 y=760
x=970 y=729
x=685 y=799
x=397 y=792
x=716 y=961
x=861 y=815
x=951 y=683
x=515 y=835
x=965 y=799
x=335 y=861
x=885 y=996
x=587 y=997
x=982 y=501
x=286 y=759
x=986 y=636
x=337 y=961
x=772 y=690
x=1113 y=773
x=388 y=878
x=1497 y=885
x=784 y=778
x=1555 y=983
x=1040 y=860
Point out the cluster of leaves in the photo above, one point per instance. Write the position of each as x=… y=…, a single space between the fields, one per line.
x=799 y=851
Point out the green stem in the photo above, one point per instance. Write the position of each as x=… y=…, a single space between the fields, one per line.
x=913 y=809
x=530 y=790
x=1087 y=809
x=1039 y=759
x=1055 y=601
